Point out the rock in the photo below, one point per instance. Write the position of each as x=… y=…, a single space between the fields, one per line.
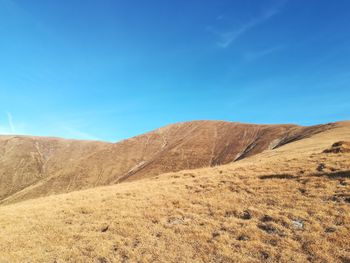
x=298 y=224
x=178 y=221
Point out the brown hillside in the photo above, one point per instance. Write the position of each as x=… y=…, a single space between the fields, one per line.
x=32 y=166
x=288 y=204
x=26 y=161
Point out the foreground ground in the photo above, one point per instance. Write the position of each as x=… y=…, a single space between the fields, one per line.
x=291 y=204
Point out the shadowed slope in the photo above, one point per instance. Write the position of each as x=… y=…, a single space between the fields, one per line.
x=32 y=167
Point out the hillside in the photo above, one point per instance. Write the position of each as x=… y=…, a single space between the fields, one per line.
x=286 y=204
x=26 y=161
x=34 y=166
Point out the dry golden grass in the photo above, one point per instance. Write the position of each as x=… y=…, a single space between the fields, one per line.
x=33 y=167
x=291 y=204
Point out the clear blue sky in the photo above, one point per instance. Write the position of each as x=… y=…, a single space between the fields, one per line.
x=111 y=69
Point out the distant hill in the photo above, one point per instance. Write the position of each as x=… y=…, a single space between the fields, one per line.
x=38 y=166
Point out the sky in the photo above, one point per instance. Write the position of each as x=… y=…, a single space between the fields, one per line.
x=111 y=69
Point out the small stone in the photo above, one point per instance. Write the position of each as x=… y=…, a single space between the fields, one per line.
x=298 y=224
x=175 y=221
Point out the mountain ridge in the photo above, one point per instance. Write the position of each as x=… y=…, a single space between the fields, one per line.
x=41 y=166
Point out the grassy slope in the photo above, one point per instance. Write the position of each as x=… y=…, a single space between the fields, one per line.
x=26 y=161
x=33 y=167
x=249 y=211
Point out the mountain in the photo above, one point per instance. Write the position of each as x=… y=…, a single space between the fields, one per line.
x=36 y=166
x=289 y=203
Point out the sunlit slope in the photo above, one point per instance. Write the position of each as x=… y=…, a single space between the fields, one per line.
x=32 y=166
x=290 y=204
x=26 y=161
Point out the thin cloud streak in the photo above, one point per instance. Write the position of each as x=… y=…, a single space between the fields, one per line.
x=9 y=127
x=228 y=38
x=10 y=122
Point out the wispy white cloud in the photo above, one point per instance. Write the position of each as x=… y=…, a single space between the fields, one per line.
x=252 y=56
x=229 y=37
x=9 y=126
x=10 y=122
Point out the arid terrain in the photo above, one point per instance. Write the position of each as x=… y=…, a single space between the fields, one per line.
x=36 y=166
x=203 y=191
